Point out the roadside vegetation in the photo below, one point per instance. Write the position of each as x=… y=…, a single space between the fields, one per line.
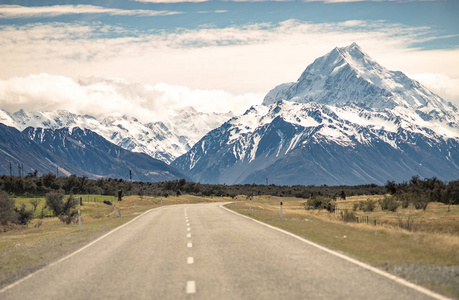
x=421 y=245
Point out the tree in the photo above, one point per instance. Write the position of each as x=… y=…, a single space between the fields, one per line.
x=34 y=202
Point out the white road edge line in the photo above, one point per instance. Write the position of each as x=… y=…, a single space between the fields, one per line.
x=191 y=287
x=349 y=259
x=76 y=252
x=190 y=260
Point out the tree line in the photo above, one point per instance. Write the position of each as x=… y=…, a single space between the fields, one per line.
x=33 y=185
x=431 y=189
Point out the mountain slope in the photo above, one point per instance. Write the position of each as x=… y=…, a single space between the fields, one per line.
x=17 y=148
x=90 y=152
x=346 y=120
x=163 y=140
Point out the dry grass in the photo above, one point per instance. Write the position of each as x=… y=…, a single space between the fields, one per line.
x=435 y=240
x=24 y=250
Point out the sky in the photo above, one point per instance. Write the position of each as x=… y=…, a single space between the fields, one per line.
x=143 y=57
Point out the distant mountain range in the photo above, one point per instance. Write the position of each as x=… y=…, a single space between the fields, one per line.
x=347 y=120
x=164 y=140
x=76 y=151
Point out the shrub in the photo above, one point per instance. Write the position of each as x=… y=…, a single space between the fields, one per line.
x=406 y=223
x=69 y=217
x=7 y=209
x=348 y=216
x=368 y=205
x=321 y=202
x=63 y=209
x=34 y=202
x=54 y=201
x=23 y=216
x=355 y=207
x=420 y=201
x=388 y=203
x=404 y=201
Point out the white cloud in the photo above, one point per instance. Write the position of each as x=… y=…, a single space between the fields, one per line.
x=440 y=84
x=17 y=11
x=115 y=97
x=240 y=60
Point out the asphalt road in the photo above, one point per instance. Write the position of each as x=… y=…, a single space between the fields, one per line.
x=203 y=251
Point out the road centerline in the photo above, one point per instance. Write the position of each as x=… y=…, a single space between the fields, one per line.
x=191 y=287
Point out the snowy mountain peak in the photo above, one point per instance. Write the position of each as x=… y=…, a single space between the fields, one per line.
x=161 y=140
x=348 y=75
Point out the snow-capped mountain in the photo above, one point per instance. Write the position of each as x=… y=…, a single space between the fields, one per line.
x=348 y=75
x=161 y=140
x=347 y=120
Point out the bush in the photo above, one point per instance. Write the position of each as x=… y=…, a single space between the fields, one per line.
x=63 y=209
x=70 y=217
x=34 y=203
x=321 y=202
x=348 y=216
x=368 y=205
x=54 y=201
x=23 y=216
x=7 y=209
x=420 y=201
x=388 y=203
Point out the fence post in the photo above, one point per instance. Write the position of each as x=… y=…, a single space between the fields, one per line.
x=250 y=202
x=119 y=212
x=114 y=209
x=79 y=218
x=134 y=206
x=280 y=200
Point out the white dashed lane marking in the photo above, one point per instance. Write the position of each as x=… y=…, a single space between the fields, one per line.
x=191 y=287
x=190 y=260
x=189 y=245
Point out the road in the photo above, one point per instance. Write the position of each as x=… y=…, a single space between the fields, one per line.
x=203 y=251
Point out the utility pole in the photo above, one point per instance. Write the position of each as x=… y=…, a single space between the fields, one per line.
x=11 y=168
x=57 y=171
x=130 y=175
x=266 y=180
x=22 y=170
x=19 y=169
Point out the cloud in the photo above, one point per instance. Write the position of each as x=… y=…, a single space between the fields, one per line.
x=17 y=11
x=440 y=84
x=114 y=97
x=240 y=60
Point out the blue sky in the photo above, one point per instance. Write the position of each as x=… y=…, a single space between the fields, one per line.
x=215 y=55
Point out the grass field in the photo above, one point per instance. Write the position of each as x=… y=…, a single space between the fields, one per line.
x=429 y=255
x=24 y=250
